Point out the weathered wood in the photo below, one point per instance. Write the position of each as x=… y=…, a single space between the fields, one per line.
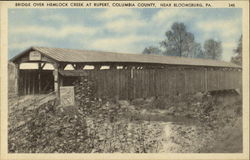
x=17 y=78
x=56 y=82
x=137 y=82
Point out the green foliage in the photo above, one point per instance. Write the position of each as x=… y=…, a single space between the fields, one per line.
x=237 y=59
x=151 y=50
x=179 y=41
x=212 y=49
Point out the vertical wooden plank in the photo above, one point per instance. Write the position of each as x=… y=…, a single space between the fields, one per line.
x=103 y=82
x=108 y=81
x=99 y=83
x=221 y=80
x=170 y=77
x=209 y=77
x=123 y=77
x=185 y=80
x=131 y=83
x=166 y=81
x=148 y=83
x=33 y=83
x=197 y=82
x=97 y=77
x=118 y=83
x=16 y=78
x=174 y=82
x=202 y=79
x=127 y=83
x=113 y=79
x=143 y=83
x=21 y=84
x=151 y=82
x=157 y=82
x=135 y=84
x=56 y=82
x=28 y=84
x=138 y=84
x=24 y=81
x=122 y=87
x=114 y=74
x=161 y=71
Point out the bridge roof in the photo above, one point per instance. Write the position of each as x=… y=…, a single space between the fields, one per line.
x=81 y=56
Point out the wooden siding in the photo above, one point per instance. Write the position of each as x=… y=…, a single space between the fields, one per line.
x=139 y=83
x=130 y=84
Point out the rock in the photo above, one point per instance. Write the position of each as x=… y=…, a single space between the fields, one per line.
x=171 y=110
x=123 y=103
x=180 y=109
x=150 y=100
x=177 y=114
x=131 y=107
x=144 y=111
x=198 y=96
x=138 y=101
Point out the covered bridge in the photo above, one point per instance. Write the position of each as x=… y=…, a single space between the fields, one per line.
x=127 y=76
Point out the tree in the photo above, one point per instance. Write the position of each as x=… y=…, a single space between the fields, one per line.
x=237 y=59
x=179 y=42
x=196 y=51
x=151 y=50
x=212 y=49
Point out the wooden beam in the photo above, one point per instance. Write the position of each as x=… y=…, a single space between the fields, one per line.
x=97 y=67
x=28 y=84
x=79 y=66
x=206 y=80
x=39 y=78
x=56 y=81
x=33 y=83
x=43 y=65
x=17 y=78
x=25 y=82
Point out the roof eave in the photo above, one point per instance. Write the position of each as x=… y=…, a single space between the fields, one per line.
x=13 y=59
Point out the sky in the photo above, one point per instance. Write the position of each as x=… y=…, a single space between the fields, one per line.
x=123 y=30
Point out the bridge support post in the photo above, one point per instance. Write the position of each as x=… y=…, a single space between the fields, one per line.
x=17 y=79
x=56 y=82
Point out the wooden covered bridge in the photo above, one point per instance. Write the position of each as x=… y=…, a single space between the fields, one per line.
x=126 y=76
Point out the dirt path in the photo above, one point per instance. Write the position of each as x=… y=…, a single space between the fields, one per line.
x=183 y=138
x=168 y=144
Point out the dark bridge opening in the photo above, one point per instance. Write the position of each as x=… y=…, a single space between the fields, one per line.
x=33 y=82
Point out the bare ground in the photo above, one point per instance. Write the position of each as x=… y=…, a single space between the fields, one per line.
x=180 y=133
